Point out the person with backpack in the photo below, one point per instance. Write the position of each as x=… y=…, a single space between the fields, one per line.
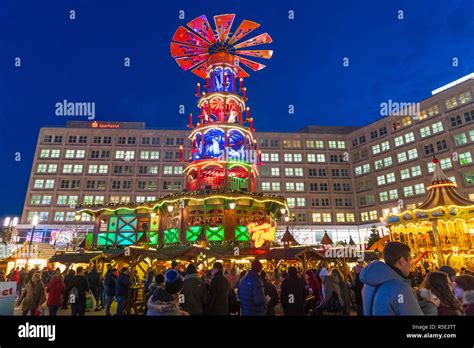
x=77 y=294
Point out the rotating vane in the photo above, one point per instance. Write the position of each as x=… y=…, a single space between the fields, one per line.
x=192 y=47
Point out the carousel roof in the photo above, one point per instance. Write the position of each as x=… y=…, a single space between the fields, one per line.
x=442 y=192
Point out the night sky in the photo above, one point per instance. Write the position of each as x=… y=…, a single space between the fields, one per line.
x=82 y=60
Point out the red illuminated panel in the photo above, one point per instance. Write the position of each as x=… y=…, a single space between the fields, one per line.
x=251 y=64
x=245 y=28
x=267 y=54
x=185 y=36
x=257 y=40
x=202 y=27
x=187 y=63
x=201 y=71
x=223 y=25
x=181 y=50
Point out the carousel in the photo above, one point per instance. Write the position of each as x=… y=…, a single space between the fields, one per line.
x=219 y=204
x=440 y=230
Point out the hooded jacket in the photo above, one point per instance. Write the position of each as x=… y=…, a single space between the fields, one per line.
x=195 y=294
x=55 y=291
x=330 y=287
x=163 y=304
x=251 y=294
x=394 y=295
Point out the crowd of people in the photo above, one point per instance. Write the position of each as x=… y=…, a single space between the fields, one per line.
x=380 y=288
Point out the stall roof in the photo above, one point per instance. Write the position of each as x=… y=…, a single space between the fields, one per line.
x=292 y=253
x=76 y=257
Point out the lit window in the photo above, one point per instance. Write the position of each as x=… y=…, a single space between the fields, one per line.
x=80 y=153
x=409 y=137
x=390 y=177
x=408 y=191
x=52 y=168
x=44 y=153
x=41 y=168
x=402 y=157
x=393 y=194
x=405 y=174
x=275 y=171
x=35 y=199
x=274 y=157
x=38 y=183
x=265 y=186
x=437 y=127
x=55 y=153
x=451 y=103
x=70 y=153
x=62 y=200
x=103 y=169
x=399 y=141
x=465 y=97
x=415 y=171
x=168 y=170
x=419 y=189
x=92 y=169
x=412 y=154
x=465 y=158
x=59 y=216
x=67 y=168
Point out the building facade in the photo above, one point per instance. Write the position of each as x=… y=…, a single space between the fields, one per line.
x=339 y=179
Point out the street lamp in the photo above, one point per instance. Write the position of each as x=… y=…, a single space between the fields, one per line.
x=34 y=222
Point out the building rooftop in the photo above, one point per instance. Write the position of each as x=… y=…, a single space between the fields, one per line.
x=328 y=129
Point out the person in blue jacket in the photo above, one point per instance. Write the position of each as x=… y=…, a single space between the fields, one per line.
x=251 y=292
x=387 y=288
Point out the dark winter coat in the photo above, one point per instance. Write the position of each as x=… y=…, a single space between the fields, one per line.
x=357 y=288
x=293 y=305
x=55 y=291
x=122 y=285
x=219 y=292
x=271 y=290
x=82 y=285
x=111 y=283
x=93 y=278
x=195 y=294
x=252 y=295
x=391 y=287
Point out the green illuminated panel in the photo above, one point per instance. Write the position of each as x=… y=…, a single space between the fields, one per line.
x=112 y=224
x=106 y=239
x=171 y=235
x=153 y=237
x=241 y=233
x=193 y=233
x=215 y=233
x=89 y=239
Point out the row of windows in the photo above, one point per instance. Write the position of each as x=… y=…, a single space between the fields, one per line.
x=300 y=186
x=121 y=140
x=117 y=169
x=105 y=154
x=49 y=184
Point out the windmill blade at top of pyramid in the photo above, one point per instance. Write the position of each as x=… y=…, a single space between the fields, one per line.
x=223 y=25
x=202 y=27
x=182 y=50
x=200 y=71
x=187 y=63
x=187 y=37
x=251 y=64
x=266 y=54
x=245 y=28
x=240 y=73
x=257 y=40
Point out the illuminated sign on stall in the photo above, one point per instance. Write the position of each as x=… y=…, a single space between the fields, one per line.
x=261 y=233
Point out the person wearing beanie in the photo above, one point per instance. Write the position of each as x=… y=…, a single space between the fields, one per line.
x=293 y=293
x=164 y=301
x=219 y=292
x=195 y=294
x=251 y=292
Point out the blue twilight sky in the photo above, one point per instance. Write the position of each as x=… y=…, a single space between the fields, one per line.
x=82 y=60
